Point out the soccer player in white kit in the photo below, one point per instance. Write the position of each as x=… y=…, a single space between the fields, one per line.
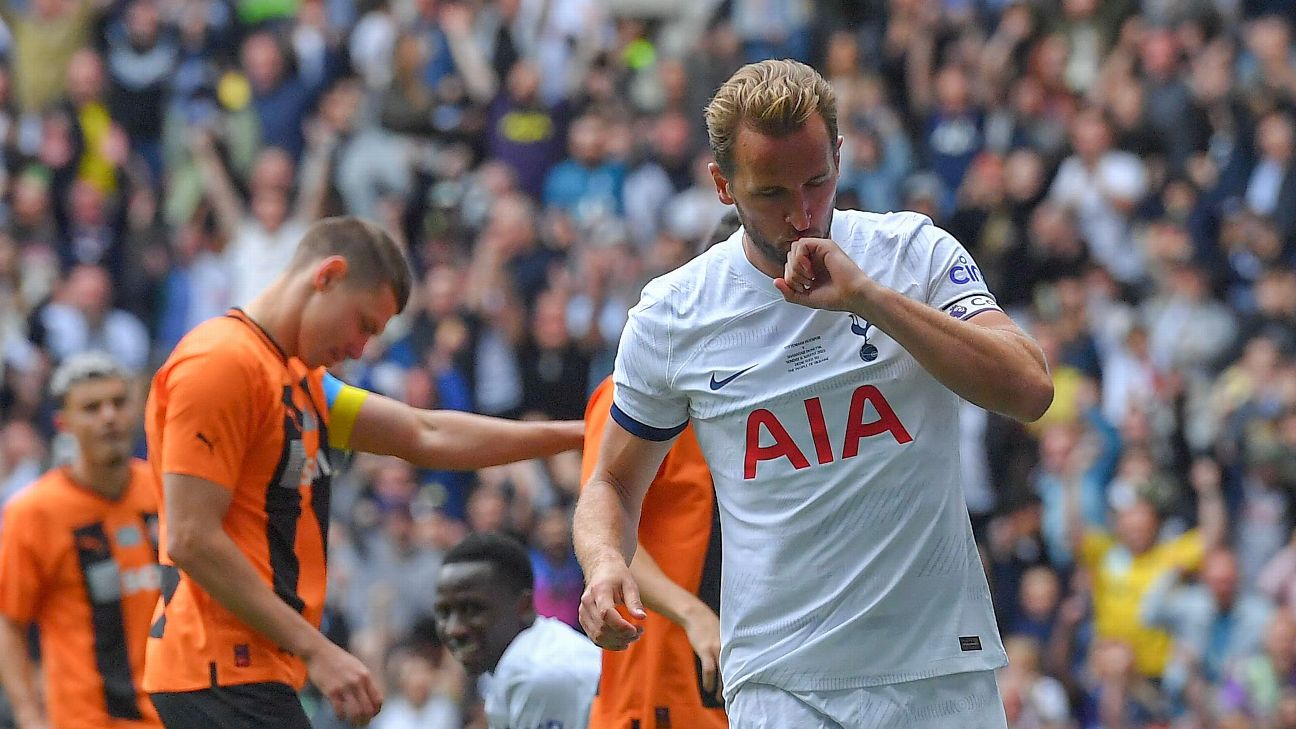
x=533 y=672
x=821 y=356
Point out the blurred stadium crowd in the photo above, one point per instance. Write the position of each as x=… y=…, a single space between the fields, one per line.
x=1123 y=171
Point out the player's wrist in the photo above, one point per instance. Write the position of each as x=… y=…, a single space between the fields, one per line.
x=694 y=615
x=311 y=646
x=607 y=560
x=862 y=294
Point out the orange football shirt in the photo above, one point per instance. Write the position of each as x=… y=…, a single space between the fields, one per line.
x=656 y=682
x=228 y=406
x=84 y=569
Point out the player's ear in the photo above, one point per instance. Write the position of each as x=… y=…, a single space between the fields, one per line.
x=330 y=272
x=721 y=184
x=837 y=152
x=526 y=605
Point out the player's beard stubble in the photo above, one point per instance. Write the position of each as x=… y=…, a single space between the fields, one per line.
x=773 y=255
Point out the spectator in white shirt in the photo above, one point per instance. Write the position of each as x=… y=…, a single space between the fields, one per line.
x=81 y=318
x=1102 y=186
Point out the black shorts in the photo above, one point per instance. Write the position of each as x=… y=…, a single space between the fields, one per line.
x=250 y=706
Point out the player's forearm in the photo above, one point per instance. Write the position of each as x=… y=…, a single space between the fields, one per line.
x=999 y=370
x=216 y=564
x=465 y=442
x=604 y=525
x=660 y=593
x=18 y=675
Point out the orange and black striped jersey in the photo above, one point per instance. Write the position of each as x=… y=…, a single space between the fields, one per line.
x=656 y=682
x=229 y=407
x=83 y=568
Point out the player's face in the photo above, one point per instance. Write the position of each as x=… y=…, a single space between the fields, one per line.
x=341 y=321
x=782 y=187
x=477 y=615
x=98 y=414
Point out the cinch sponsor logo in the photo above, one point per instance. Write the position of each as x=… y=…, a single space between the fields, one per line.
x=763 y=424
x=964 y=272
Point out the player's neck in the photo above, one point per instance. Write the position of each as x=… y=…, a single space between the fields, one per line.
x=108 y=480
x=525 y=625
x=277 y=315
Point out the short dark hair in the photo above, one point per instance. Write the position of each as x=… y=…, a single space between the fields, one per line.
x=373 y=257
x=504 y=553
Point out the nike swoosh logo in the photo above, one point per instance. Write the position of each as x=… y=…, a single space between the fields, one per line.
x=717 y=384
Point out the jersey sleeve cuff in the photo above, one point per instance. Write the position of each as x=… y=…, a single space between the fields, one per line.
x=647 y=432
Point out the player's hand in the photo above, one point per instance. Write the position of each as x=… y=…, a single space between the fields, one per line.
x=609 y=585
x=703 y=629
x=346 y=682
x=818 y=274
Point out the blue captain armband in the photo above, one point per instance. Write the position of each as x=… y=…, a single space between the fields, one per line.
x=647 y=432
x=344 y=403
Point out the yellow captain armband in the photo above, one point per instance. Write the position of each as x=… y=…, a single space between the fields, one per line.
x=344 y=403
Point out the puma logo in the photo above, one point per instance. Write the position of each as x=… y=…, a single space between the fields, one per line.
x=211 y=446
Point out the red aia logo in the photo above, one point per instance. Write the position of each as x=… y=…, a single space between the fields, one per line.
x=856 y=428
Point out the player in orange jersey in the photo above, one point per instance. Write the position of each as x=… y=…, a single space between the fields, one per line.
x=241 y=421
x=669 y=677
x=78 y=557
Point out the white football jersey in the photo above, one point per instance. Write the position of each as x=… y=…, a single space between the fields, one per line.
x=848 y=554
x=546 y=679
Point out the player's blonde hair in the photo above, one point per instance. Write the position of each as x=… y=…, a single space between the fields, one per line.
x=775 y=97
x=83 y=367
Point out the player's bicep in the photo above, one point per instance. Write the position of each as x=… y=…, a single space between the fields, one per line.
x=995 y=319
x=344 y=405
x=999 y=321
x=194 y=506
x=383 y=426
x=628 y=462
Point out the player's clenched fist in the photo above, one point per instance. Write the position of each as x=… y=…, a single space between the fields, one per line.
x=820 y=275
x=609 y=585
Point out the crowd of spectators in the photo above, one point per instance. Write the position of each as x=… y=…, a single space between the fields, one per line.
x=1123 y=171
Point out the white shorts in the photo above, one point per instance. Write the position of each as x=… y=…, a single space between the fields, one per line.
x=956 y=701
